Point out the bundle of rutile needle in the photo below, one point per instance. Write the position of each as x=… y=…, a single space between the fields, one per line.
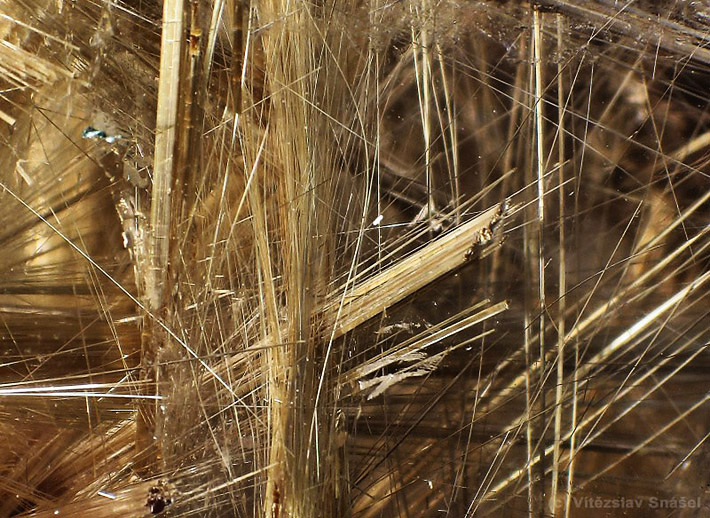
x=292 y=259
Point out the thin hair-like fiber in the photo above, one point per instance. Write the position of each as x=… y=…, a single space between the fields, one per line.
x=290 y=259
